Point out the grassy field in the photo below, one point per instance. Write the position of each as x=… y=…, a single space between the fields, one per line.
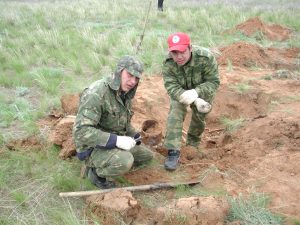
x=50 y=48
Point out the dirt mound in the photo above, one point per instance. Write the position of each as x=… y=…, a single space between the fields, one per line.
x=197 y=210
x=62 y=135
x=274 y=32
x=284 y=58
x=113 y=204
x=243 y=54
x=120 y=203
x=70 y=103
x=30 y=143
x=231 y=104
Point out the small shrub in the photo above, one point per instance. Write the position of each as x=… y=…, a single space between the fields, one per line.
x=232 y=125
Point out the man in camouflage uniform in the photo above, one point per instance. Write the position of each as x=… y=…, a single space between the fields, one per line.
x=190 y=78
x=102 y=132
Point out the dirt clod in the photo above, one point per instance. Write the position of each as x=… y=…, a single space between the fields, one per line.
x=194 y=210
x=62 y=136
x=113 y=204
x=70 y=103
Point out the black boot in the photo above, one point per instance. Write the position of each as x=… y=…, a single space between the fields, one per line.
x=100 y=182
x=172 y=159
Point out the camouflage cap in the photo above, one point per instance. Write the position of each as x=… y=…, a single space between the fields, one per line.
x=132 y=65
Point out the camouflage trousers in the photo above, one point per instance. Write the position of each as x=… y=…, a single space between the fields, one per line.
x=115 y=162
x=175 y=121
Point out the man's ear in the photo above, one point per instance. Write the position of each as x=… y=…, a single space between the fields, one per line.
x=191 y=48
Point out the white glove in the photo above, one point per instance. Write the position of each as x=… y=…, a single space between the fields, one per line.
x=202 y=106
x=188 y=97
x=125 y=142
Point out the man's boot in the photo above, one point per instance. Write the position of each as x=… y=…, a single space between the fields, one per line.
x=100 y=182
x=172 y=159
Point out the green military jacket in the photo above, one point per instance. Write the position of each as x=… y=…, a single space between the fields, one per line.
x=200 y=73
x=102 y=114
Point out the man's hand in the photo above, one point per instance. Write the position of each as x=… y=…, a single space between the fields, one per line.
x=188 y=97
x=125 y=142
x=202 y=106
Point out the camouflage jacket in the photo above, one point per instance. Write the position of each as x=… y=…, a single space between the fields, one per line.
x=200 y=73
x=102 y=115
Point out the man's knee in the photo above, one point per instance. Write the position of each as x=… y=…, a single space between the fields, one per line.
x=142 y=154
x=121 y=162
x=118 y=164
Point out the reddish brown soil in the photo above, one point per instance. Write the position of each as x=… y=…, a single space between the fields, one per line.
x=30 y=143
x=262 y=156
x=69 y=104
x=270 y=138
x=243 y=54
x=272 y=32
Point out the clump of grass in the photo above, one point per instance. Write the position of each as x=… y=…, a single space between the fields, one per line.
x=293 y=98
x=48 y=79
x=66 y=183
x=19 y=197
x=31 y=187
x=123 y=181
x=252 y=211
x=22 y=91
x=229 y=65
x=182 y=191
x=267 y=77
x=2 y=140
x=175 y=218
x=232 y=125
x=241 y=88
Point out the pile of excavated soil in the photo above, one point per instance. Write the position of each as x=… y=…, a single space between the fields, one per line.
x=243 y=54
x=70 y=103
x=120 y=203
x=62 y=135
x=30 y=143
x=272 y=32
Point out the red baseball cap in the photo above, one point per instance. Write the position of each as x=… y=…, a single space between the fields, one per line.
x=178 y=42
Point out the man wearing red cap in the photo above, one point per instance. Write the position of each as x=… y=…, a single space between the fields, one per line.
x=191 y=78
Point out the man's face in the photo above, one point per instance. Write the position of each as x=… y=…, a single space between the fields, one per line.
x=128 y=81
x=182 y=58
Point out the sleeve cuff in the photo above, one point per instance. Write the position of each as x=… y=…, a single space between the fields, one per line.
x=111 y=143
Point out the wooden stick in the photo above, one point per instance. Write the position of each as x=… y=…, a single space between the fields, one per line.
x=142 y=36
x=132 y=188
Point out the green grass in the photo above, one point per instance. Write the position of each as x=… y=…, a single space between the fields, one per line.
x=183 y=191
x=252 y=211
x=232 y=125
x=30 y=183
x=241 y=88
